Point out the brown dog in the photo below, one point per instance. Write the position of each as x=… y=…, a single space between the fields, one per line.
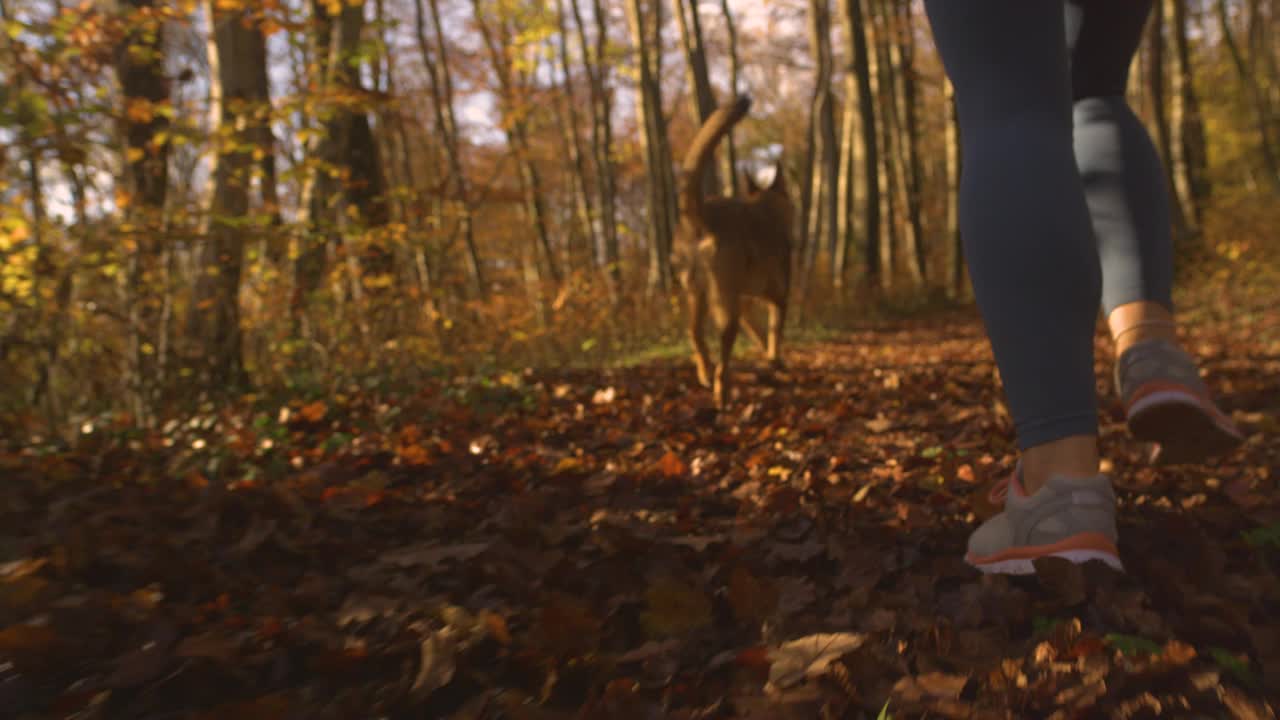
x=729 y=249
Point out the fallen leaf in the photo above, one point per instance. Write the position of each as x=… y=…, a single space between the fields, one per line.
x=808 y=657
x=674 y=608
x=751 y=599
x=698 y=542
x=18 y=642
x=436 y=663
x=796 y=553
x=670 y=465
x=259 y=530
x=21 y=568
x=432 y=555
x=567 y=627
x=314 y=412
x=267 y=707
x=649 y=650
x=1178 y=653
x=795 y=594
x=1240 y=491
x=497 y=627
x=210 y=645
x=941 y=685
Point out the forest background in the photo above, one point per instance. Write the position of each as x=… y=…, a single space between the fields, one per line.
x=204 y=198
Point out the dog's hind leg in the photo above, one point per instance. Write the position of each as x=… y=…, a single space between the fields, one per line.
x=728 y=335
x=697 y=323
x=777 y=319
x=753 y=332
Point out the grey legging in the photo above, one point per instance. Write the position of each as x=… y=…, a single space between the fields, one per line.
x=1062 y=197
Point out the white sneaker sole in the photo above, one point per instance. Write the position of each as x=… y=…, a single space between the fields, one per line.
x=1026 y=566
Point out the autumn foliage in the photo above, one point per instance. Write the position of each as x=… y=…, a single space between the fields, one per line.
x=342 y=374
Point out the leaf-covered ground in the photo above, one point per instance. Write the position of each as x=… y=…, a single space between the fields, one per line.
x=600 y=544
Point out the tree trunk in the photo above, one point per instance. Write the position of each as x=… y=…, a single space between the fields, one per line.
x=1189 y=145
x=954 y=163
x=820 y=223
x=703 y=99
x=644 y=37
x=515 y=111
x=347 y=146
x=735 y=74
x=1256 y=98
x=845 y=183
x=214 y=118
x=907 y=161
x=1159 y=108
x=241 y=52
x=596 y=65
x=140 y=70
x=865 y=71
x=573 y=139
x=883 y=79
x=440 y=78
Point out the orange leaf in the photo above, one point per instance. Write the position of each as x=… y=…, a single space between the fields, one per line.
x=672 y=466
x=415 y=455
x=20 y=641
x=315 y=411
x=497 y=627
x=1179 y=653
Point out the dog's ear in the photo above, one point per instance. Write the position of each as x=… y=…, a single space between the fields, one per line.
x=749 y=180
x=779 y=183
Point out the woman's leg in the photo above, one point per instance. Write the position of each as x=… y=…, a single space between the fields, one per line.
x=1028 y=238
x=1123 y=179
x=1034 y=265
x=1165 y=400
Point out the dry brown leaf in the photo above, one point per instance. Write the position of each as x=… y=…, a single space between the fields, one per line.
x=752 y=599
x=430 y=556
x=567 y=627
x=941 y=685
x=808 y=657
x=436 y=662
x=267 y=707
x=210 y=645
x=17 y=642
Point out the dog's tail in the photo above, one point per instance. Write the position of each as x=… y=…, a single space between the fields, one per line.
x=697 y=157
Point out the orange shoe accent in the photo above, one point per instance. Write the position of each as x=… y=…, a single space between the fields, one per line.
x=1079 y=541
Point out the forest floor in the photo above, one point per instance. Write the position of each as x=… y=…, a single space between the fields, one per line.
x=601 y=544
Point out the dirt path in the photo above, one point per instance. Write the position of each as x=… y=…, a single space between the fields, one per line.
x=602 y=545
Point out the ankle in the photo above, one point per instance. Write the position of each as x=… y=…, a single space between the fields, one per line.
x=1143 y=332
x=1138 y=322
x=1075 y=456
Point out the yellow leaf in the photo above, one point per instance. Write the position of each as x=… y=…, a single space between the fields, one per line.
x=139 y=110
x=13 y=230
x=567 y=464
x=675 y=608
